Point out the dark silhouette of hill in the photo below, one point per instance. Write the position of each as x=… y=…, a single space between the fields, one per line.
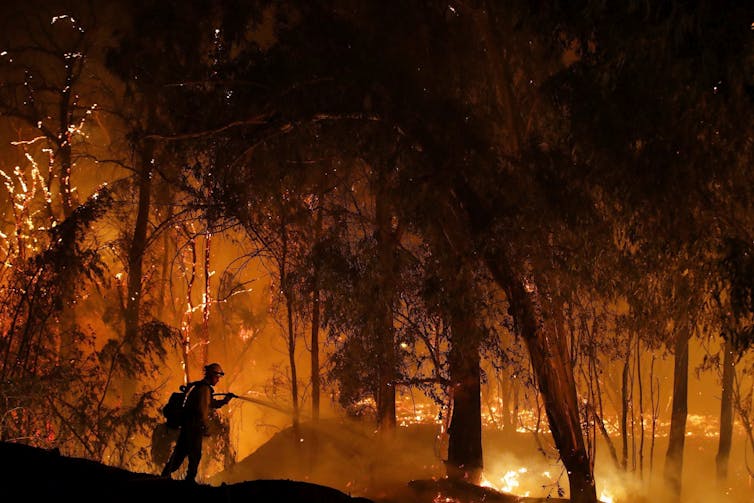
x=34 y=474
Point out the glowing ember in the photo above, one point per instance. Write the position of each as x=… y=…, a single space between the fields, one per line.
x=440 y=498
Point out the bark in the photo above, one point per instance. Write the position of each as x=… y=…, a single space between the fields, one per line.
x=676 y=441
x=465 y=442
x=387 y=244
x=315 y=355
x=136 y=250
x=292 y=362
x=65 y=111
x=135 y=260
x=654 y=394
x=189 y=274
x=467 y=216
x=64 y=153
x=206 y=299
x=726 y=413
x=641 y=407
x=315 y=322
x=624 y=408
x=163 y=299
x=464 y=460
x=288 y=293
x=507 y=395
x=551 y=365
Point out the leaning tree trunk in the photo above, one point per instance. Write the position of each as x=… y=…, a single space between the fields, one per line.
x=467 y=216
x=549 y=358
x=726 y=413
x=676 y=441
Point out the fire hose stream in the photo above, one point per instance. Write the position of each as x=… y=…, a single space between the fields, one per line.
x=286 y=410
x=263 y=403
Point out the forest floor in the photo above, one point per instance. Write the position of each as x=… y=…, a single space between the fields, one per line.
x=408 y=467
x=340 y=462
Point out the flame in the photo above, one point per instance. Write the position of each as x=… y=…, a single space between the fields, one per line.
x=606 y=497
x=508 y=482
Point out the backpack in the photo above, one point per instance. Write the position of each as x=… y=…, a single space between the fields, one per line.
x=173 y=410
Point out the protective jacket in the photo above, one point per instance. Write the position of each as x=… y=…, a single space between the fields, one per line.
x=196 y=410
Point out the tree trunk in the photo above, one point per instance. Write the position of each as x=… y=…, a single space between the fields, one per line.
x=67 y=317
x=292 y=362
x=551 y=365
x=288 y=294
x=135 y=259
x=65 y=153
x=315 y=356
x=465 y=442
x=624 y=407
x=507 y=393
x=467 y=216
x=676 y=440
x=641 y=407
x=387 y=244
x=206 y=298
x=66 y=111
x=315 y=320
x=726 y=413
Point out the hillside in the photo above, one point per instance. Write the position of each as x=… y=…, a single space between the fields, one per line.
x=42 y=475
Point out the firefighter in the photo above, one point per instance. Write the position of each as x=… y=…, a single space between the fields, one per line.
x=195 y=422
